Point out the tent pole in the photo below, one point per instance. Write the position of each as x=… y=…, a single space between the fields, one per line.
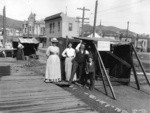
x=135 y=75
x=141 y=65
x=102 y=77
x=103 y=67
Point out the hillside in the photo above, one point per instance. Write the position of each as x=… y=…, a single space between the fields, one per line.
x=88 y=29
x=11 y=23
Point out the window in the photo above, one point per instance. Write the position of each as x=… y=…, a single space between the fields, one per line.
x=70 y=27
x=50 y=28
x=58 y=26
x=53 y=27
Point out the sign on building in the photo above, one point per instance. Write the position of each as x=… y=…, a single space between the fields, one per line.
x=103 y=46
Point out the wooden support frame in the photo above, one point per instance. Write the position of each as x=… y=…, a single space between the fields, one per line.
x=140 y=64
x=102 y=77
x=105 y=73
x=134 y=73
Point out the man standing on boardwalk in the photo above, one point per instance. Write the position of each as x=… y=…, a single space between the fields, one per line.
x=79 y=63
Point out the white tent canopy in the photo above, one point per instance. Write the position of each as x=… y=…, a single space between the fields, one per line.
x=96 y=35
x=1 y=37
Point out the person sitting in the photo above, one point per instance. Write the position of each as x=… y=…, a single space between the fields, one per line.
x=90 y=72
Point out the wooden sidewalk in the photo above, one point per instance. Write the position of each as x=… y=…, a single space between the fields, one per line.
x=29 y=94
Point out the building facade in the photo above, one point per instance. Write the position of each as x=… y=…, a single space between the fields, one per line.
x=33 y=28
x=60 y=25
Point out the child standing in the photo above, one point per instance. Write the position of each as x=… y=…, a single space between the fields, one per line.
x=90 y=71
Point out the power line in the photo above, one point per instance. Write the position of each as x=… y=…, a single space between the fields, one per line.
x=121 y=6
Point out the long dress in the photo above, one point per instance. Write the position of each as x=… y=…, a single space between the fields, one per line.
x=53 y=70
x=69 y=53
x=20 y=52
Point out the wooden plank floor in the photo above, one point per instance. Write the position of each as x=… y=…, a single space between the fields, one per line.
x=29 y=94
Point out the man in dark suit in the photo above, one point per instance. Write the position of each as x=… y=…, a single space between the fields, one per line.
x=79 y=63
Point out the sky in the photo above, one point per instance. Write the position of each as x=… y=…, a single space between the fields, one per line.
x=110 y=12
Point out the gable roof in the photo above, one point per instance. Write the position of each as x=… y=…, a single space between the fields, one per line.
x=53 y=17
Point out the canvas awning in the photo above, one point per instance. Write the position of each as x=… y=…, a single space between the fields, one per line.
x=115 y=42
x=28 y=40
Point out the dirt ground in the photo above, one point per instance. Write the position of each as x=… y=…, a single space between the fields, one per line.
x=129 y=99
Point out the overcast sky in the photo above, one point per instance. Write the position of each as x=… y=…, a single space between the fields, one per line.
x=110 y=12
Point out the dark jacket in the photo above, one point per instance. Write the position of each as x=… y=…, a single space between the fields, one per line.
x=80 y=57
x=90 y=68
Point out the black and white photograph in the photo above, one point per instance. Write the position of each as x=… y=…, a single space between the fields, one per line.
x=74 y=56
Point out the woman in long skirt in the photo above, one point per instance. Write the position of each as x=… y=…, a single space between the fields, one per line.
x=69 y=53
x=53 y=70
x=20 y=52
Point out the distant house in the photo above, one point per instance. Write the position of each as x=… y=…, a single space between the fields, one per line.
x=60 y=25
x=33 y=28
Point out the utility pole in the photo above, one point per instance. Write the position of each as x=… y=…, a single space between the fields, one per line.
x=95 y=16
x=127 y=30
x=4 y=27
x=83 y=14
x=100 y=28
x=66 y=10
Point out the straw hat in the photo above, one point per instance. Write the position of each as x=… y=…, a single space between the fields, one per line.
x=54 y=40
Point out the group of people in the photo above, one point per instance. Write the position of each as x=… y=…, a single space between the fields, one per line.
x=79 y=64
x=8 y=45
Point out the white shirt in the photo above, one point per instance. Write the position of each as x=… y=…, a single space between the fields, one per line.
x=68 y=52
x=78 y=47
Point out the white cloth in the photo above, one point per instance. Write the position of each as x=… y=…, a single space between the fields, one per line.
x=1 y=45
x=8 y=45
x=53 y=69
x=20 y=46
x=68 y=52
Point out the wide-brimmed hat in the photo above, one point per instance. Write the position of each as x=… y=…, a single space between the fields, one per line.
x=54 y=40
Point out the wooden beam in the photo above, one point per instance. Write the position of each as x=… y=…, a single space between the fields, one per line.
x=141 y=65
x=105 y=73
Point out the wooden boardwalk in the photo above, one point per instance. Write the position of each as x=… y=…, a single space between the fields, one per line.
x=29 y=94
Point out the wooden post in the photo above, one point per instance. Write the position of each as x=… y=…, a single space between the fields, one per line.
x=134 y=73
x=4 y=27
x=95 y=16
x=102 y=77
x=141 y=65
x=105 y=73
x=83 y=14
x=66 y=41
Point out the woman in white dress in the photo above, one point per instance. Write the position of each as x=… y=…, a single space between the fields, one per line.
x=69 y=53
x=53 y=70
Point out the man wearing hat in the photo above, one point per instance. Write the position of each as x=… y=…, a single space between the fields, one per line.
x=79 y=63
